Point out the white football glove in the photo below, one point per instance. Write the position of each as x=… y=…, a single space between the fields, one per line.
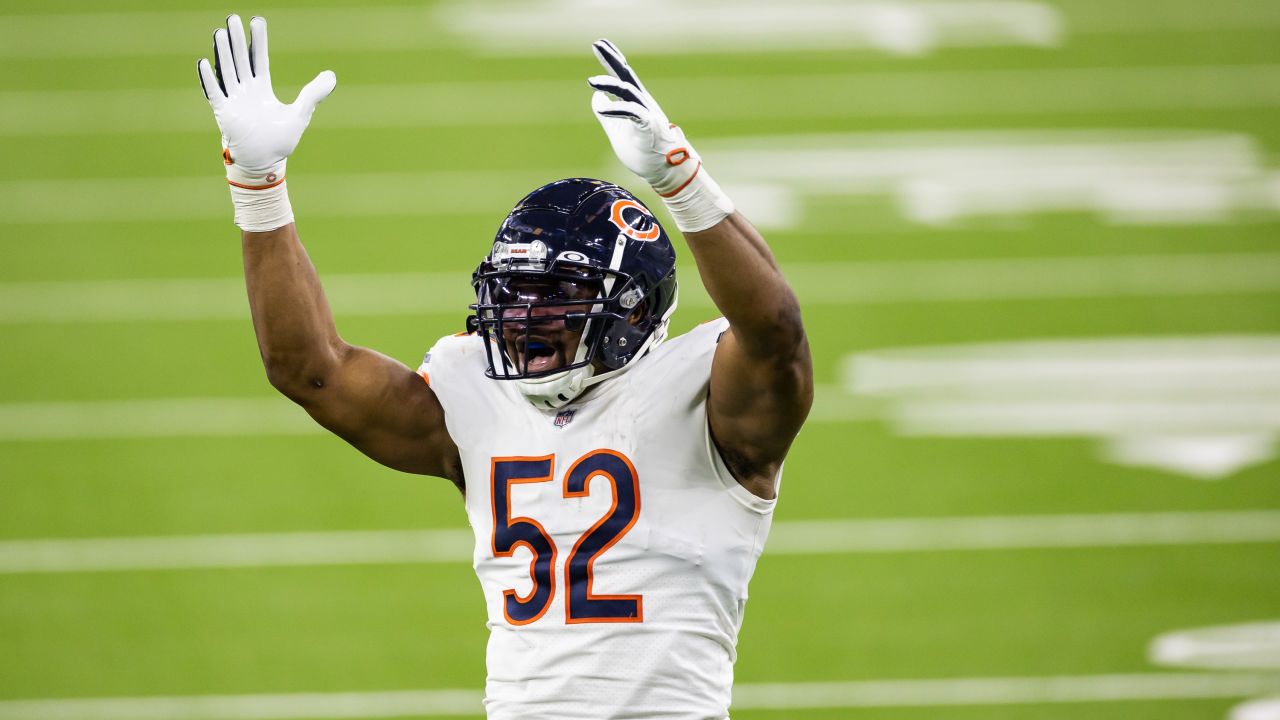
x=653 y=147
x=258 y=131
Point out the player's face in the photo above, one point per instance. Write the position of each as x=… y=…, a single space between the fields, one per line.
x=551 y=340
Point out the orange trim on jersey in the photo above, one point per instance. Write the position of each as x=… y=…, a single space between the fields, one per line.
x=255 y=187
x=425 y=378
x=675 y=192
x=493 y=536
x=591 y=562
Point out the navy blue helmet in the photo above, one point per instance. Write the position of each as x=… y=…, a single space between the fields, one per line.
x=576 y=254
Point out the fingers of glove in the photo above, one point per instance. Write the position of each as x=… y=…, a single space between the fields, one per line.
x=617 y=88
x=612 y=59
x=258 y=59
x=223 y=66
x=314 y=92
x=209 y=83
x=602 y=105
x=239 y=47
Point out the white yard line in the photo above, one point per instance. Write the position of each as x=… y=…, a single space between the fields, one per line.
x=187 y=33
x=420 y=194
x=808 y=537
x=833 y=283
x=747 y=696
x=884 y=25
x=1002 y=691
x=558 y=27
x=158 y=418
x=485 y=103
x=796 y=537
x=383 y=547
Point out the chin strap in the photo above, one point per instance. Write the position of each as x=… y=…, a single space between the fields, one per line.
x=556 y=391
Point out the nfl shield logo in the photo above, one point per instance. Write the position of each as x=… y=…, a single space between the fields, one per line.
x=564 y=417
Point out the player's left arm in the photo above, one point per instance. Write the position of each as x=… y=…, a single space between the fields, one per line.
x=762 y=374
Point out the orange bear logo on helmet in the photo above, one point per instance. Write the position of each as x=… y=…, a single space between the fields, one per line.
x=637 y=224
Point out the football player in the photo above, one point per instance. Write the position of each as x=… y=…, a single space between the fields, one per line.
x=620 y=484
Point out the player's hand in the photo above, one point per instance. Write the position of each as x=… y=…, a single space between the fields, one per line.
x=640 y=133
x=258 y=131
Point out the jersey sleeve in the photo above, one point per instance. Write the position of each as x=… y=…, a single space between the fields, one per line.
x=442 y=369
x=444 y=357
x=455 y=369
x=680 y=388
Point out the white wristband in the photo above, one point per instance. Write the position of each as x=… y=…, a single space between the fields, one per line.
x=262 y=210
x=699 y=204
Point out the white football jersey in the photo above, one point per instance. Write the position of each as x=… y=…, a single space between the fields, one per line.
x=613 y=546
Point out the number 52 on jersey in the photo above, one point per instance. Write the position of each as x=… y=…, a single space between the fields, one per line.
x=581 y=605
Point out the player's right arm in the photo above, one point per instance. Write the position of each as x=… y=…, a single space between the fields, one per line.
x=373 y=402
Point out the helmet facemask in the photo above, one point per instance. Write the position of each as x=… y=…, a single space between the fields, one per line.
x=526 y=304
x=579 y=283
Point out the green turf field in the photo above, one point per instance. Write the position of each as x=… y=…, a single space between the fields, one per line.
x=1065 y=170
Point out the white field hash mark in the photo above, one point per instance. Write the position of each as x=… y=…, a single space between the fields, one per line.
x=832 y=283
x=1247 y=646
x=746 y=696
x=1204 y=406
x=796 y=537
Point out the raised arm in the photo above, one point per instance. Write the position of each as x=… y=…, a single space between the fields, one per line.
x=375 y=403
x=762 y=374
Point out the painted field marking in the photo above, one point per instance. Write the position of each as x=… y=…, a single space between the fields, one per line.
x=796 y=537
x=186 y=33
x=1151 y=177
x=383 y=547
x=540 y=27
x=832 y=283
x=885 y=25
x=746 y=696
x=934 y=178
x=330 y=195
x=947 y=93
x=1245 y=646
x=1002 y=691
x=1261 y=709
x=546 y=27
x=156 y=418
x=1205 y=406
